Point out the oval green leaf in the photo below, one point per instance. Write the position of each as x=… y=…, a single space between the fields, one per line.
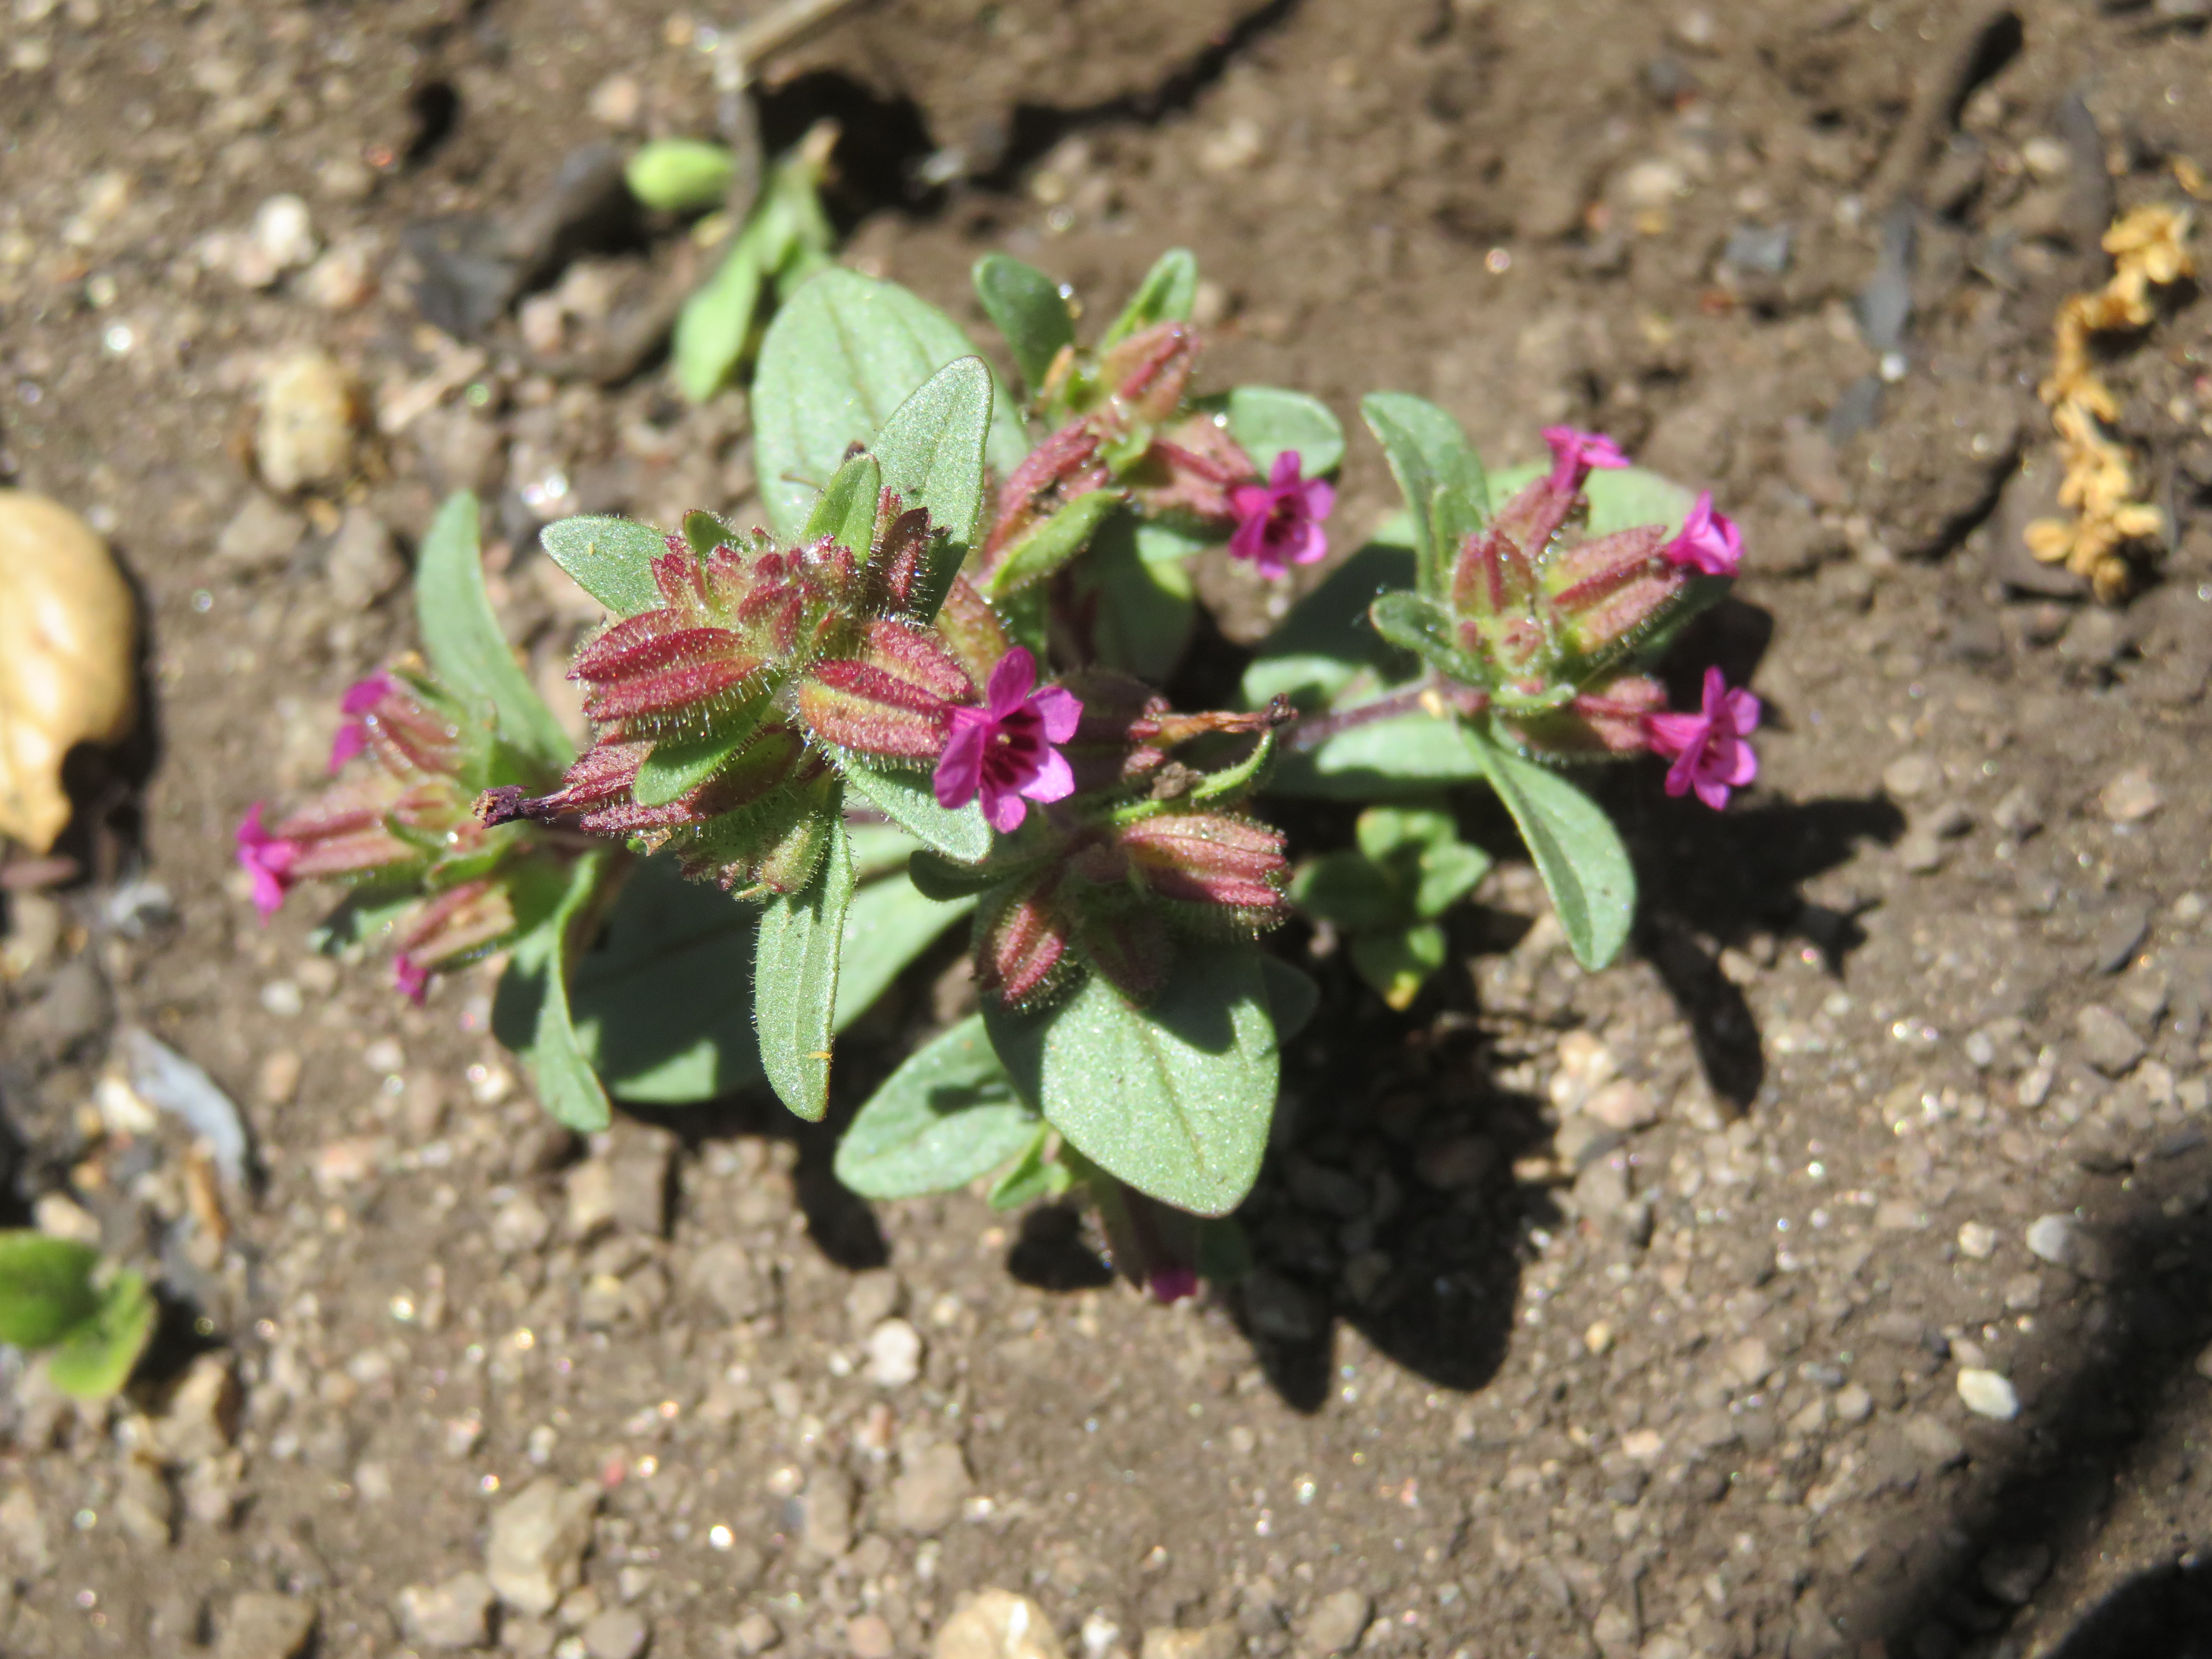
x=45 y=1287
x=795 y=981
x=1577 y=852
x=1175 y=1098
x=611 y=559
x=462 y=638
x=949 y=1115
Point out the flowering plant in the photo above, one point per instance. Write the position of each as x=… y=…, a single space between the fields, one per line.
x=923 y=691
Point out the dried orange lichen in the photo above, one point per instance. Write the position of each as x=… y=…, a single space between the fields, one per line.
x=2147 y=252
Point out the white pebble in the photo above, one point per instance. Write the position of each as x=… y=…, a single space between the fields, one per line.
x=2051 y=1237
x=894 y=1354
x=1978 y=1240
x=1987 y=1394
x=284 y=233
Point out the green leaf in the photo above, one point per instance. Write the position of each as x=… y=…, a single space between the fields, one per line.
x=1292 y=996
x=1267 y=420
x=843 y=352
x=611 y=559
x=1031 y=1177
x=1419 y=624
x=461 y=638
x=795 y=981
x=1352 y=891
x=360 y=916
x=703 y=531
x=1026 y=307
x=1406 y=753
x=1398 y=960
x=908 y=799
x=1427 y=452
x=878 y=849
x=45 y=1287
x=96 y=1359
x=1174 y=1098
x=1053 y=542
x=845 y=513
x=559 y=1069
x=939 y=877
x=716 y=321
x=1167 y=294
x=675 y=766
x=949 y=1115
x=662 y=1005
x=681 y=175
x=1449 y=872
x=887 y=925
x=1327 y=642
x=932 y=449
x=1577 y=852
x=1146 y=610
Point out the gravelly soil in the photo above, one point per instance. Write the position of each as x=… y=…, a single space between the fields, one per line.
x=1622 y=1314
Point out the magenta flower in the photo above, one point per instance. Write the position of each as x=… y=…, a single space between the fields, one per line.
x=1171 y=1284
x=1576 y=453
x=268 y=858
x=1278 y=522
x=1708 y=747
x=412 y=978
x=352 y=734
x=1004 y=750
x=1709 y=541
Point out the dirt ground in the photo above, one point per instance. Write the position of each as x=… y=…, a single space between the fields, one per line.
x=1623 y=1315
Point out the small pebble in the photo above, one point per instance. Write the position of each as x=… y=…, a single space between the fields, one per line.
x=894 y=1354
x=997 y=1624
x=285 y=234
x=1337 y=1622
x=305 y=432
x=265 y=1625
x=931 y=1488
x=618 y=1633
x=455 y=1614
x=869 y=1636
x=1853 y=1403
x=1976 y=1240
x=1623 y=1104
x=2131 y=797
x=2108 y=1042
x=1987 y=1394
x=1910 y=775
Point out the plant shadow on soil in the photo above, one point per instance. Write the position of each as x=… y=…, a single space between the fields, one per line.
x=2038 y=1490
x=1388 y=1196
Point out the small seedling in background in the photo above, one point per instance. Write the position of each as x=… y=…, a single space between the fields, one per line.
x=91 y=1323
x=784 y=239
x=1385 y=894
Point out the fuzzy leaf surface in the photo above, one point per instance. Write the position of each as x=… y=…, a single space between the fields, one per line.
x=1174 y=1098
x=887 y=925
x=795 y=981
x=611 y=559
x=1026 y=306
x=1427 y=452
x=907 y=798
x=1267 y=420
x=1053 y=542
x=843 y=352
x=931 y=449
x=947 y=1115
x=662 y=1005
x=461 y=638
x=542 y=966
x=1167 y=294
x=1577 y=852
